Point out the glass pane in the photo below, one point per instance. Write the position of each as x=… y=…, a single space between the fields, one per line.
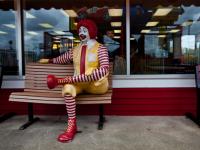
x=8 y=52
x=50 y=27
x=165 y=37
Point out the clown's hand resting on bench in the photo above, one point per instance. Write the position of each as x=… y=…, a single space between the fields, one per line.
x=44 y=61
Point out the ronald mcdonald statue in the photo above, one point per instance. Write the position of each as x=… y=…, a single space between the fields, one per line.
x=91 y=68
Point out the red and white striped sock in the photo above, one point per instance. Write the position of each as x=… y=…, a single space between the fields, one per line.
x=70 y=106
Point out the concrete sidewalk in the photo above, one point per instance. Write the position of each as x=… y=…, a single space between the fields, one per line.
x=119 y=133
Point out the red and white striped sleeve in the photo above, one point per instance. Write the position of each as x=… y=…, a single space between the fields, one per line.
x=67 y=57
x=98 y=73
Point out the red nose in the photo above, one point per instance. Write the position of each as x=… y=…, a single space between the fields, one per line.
x=82 y=37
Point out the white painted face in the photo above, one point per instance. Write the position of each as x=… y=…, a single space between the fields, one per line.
x=84 y=34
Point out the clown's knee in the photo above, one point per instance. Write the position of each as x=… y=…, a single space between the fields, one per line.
x=69 y=89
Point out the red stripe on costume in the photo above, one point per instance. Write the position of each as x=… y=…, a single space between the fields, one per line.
x=82 y=62
x=70 y=106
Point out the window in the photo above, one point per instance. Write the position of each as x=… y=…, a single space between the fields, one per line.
x=8 y=50
x=50 y=28
x=165 y=37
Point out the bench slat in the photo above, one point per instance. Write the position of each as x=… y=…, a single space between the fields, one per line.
x=57 y=97
x=42 y=91
x=50 y=95
x=58 y=102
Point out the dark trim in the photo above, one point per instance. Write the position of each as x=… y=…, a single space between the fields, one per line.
x=1 y=75
x=7 y=115
x=22 y=35
x=196 y=119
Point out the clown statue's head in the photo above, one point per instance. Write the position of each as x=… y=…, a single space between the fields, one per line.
x=87 y=31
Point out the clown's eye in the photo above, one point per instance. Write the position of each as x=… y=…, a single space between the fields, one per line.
x=84 y=30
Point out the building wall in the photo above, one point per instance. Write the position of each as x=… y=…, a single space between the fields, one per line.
x=125 y=101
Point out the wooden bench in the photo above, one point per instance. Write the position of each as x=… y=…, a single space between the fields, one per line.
x=36 y=90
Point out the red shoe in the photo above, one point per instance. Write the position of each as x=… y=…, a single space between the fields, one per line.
x=69 y=134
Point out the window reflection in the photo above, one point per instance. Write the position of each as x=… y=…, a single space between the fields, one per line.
x=43 y=29
x=50 y=27
x=8 y=53
x=164 y=37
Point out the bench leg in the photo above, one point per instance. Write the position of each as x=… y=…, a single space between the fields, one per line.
x=101 y=117
x=6 y=116
x=31 y=119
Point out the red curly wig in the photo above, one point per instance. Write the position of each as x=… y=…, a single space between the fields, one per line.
x=90 y=25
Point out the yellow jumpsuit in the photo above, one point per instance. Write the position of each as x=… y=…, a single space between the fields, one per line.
x=91 y=63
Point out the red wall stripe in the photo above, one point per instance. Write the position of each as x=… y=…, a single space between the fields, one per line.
x=125 y=101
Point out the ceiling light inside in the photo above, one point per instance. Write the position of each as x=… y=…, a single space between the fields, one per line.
x=145 y=31
x=115 y=12
x=32 y=33
x=60 y=32
x=29 y=16
x=132 y=38
x=162 y=12
x=71 y=13
x=117 y=31
x=174 y=30
x=45 y=25
x=161 y=36
x=116 y=37
x=10 y=26
x=152 y=23
x=2 y=32
x=116 y=24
